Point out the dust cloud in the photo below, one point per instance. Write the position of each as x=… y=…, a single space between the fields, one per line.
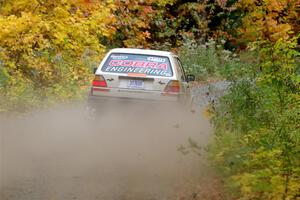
x=124 y=151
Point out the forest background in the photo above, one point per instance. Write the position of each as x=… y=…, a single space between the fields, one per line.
x=49 y=48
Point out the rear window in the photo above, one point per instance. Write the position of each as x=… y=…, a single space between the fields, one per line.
x=122 y=63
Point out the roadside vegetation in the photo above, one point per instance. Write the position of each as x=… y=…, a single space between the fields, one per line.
x=257 y=129
x=49 y=48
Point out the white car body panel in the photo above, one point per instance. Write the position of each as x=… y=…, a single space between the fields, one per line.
x=153 y=86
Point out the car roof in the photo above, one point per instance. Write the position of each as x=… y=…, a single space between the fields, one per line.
x=142 y=51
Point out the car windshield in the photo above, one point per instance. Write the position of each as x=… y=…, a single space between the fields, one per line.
x=150 y=65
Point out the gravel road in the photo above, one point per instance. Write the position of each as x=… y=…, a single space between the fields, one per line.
x=127 y=153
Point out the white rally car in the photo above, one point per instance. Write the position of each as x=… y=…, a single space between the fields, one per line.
x=136 y=74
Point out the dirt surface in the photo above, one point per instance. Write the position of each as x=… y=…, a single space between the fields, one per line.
x=127 y=152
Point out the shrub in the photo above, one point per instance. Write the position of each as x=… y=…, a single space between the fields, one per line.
x=209 y=60
x=257 y=127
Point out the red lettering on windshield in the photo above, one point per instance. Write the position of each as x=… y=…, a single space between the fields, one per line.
x=151 y=64
x=127 y=63
x=163 y=66
x=138 y=63
x=115 y=63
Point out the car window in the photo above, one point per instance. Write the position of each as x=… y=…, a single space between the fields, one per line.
x=122 y=63
x=180 y=68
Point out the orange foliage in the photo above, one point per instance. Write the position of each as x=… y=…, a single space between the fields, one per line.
x=269 y=19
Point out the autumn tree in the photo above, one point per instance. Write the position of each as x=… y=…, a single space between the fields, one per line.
x=269 y=20
x=47 y=47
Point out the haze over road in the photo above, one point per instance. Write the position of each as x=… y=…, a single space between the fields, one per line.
x=128 y=152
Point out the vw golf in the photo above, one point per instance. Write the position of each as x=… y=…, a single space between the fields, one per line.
x=143 y=75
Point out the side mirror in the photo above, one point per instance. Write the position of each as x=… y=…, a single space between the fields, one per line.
x=94 y=70
x=190 y=77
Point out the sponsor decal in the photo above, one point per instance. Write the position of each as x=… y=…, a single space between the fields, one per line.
x=148 y=71
x=119 y=57
x=138 y=63
x=156 y=59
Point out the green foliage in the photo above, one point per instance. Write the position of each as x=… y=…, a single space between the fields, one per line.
x=210 y=60
x=257 y=142
x=201 y=60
